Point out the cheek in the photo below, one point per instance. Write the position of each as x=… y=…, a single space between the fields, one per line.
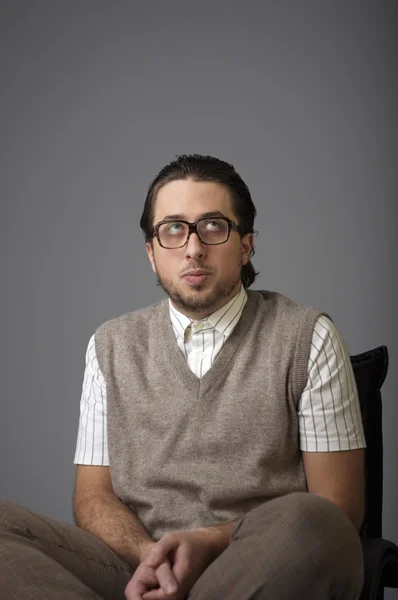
x=231 y=259
x=167 y=266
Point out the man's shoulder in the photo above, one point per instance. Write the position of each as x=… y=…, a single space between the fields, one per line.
x=137 y=319
x=268 y=299
x=283 y=310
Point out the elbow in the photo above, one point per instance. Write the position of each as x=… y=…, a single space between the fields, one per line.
x=77 y=510
x=83 y=505
x=355 y=514
x=358 y=517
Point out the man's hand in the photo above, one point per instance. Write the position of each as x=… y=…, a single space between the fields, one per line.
x=173 y=563
x=160 y=580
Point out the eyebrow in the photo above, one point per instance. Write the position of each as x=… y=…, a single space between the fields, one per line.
x=182 y=217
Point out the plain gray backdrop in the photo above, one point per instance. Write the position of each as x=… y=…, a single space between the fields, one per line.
x=96 y=97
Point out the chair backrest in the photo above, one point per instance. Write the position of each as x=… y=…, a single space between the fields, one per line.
x=370 y=370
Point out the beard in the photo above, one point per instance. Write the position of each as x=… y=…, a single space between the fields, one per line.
x=199 y=301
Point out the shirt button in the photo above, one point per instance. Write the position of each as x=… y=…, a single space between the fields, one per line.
x=198 y=327
x=201 y=355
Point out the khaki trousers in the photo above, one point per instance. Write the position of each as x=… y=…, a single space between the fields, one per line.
x=293 y=547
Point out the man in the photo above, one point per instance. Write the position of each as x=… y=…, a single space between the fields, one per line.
x=220 y=445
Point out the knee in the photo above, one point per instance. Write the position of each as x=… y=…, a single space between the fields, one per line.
x=315 y=513
x=13 y=518
x=332 y=541
x=317 y=519
x=308 y=508
x=314 y=527
x=299 y=509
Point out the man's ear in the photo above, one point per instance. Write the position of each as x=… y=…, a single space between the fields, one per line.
x=246 y=245
x=149 y=251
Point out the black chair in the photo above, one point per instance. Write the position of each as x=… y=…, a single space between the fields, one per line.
x=381 y=556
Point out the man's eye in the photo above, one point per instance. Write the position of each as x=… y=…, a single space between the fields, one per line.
x=213 y=225
x=174 y=228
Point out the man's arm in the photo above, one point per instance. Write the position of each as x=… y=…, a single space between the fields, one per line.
x=98 y=510
x=331 y=432
x=339 y=477
x=95 y=505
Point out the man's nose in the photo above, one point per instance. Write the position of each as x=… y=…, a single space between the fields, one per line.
x=194 y=247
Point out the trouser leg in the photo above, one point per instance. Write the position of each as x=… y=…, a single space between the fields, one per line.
x=293 y=547
x=43 y=559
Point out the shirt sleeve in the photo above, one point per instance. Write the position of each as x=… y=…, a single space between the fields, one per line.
x=92 y=441
x=329 y=411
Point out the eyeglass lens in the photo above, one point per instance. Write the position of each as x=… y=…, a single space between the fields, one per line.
x=174 y=234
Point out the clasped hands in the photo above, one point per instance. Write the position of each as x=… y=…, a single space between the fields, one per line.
x=170 y=567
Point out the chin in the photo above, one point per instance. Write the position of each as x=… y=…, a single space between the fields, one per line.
x=193 y=296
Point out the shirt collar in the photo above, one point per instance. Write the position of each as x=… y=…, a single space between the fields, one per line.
x=179 y=321
x=224 y=319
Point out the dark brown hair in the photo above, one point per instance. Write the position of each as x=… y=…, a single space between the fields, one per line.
x=205 y=168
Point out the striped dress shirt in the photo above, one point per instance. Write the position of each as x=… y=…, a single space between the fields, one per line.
x=328 y=409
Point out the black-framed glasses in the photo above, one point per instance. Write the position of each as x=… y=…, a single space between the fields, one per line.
x=212 y=231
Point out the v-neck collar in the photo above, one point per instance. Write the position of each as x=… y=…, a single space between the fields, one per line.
x=223 y=319
x=177 y=360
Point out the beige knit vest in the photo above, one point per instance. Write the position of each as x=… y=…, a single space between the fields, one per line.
x=187 y=452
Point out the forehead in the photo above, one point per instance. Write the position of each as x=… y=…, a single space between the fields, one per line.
x=190 y=199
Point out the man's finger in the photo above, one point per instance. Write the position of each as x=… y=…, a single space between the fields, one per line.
x=181 y=562
x=160 y=551
x=166 y=579
x=143 y=580
x=135 y=591
x=156 y=595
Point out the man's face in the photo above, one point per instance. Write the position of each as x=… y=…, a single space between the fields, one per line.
x=220 y=265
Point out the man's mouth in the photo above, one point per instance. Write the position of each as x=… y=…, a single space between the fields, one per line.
x=196 y=276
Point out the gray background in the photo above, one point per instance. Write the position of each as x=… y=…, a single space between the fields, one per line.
x=96 y=97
